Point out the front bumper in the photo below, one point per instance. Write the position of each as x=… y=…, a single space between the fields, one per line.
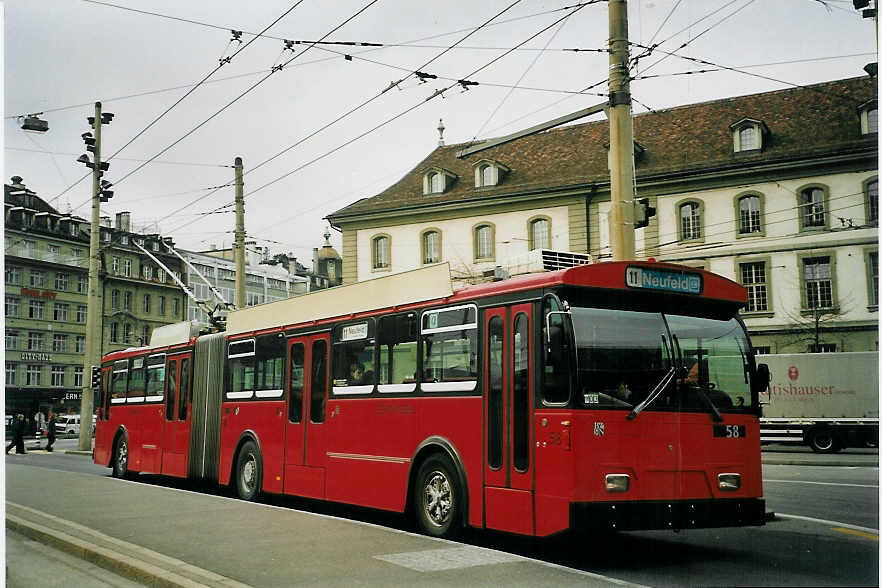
x=668 y=514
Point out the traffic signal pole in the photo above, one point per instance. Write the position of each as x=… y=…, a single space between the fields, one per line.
x=93 y=308
x=621 y=136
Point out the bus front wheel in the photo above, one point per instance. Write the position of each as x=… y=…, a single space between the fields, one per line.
x=248 y=472
x=438 y=497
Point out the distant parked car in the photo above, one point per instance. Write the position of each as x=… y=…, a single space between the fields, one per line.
x=70 y=425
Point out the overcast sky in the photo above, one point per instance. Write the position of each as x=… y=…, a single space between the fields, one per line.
x=63 y=55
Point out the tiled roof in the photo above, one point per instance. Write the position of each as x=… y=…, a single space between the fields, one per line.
x=802 y=122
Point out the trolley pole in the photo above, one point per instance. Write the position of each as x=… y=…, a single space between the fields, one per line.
x=239 y=245
x=621 y=136
x=93 y=304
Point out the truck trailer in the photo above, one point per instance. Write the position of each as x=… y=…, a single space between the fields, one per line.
x=828 y=401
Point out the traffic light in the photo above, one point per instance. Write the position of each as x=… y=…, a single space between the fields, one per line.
x=642 y=213
x=96 y=377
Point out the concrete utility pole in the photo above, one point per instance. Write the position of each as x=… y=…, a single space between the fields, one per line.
x=93 y=304
x=239 y=245
x=621 y=136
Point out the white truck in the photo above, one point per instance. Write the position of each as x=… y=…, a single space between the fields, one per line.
x=828 y=401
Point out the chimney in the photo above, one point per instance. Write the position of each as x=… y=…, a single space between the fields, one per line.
x=17 y=183
x=105 y=222
x=315 y=259
x=123 y=221
x=440 y=132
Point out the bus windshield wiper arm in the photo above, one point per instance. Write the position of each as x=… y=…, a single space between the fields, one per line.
x=716 y=413
x=663 y=383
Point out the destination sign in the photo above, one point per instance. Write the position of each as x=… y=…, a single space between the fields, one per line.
x=660 y=279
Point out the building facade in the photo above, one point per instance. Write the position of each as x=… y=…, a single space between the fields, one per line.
x=46 y=285
x=778 y=191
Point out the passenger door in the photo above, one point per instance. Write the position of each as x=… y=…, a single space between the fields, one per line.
x=305 y=436
x=176 y=434
x=508 y=397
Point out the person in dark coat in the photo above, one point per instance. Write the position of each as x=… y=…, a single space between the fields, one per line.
x=18 y=430
x=50 y=430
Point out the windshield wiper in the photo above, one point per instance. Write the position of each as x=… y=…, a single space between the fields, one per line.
x=656 y=392
x=703 y=395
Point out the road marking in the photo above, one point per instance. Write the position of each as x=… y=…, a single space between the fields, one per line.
x=834 y=524
x=870 y=536
x=823 y=483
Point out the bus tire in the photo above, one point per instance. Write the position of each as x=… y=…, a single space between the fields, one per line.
x=248 y=472
x=121 y=457
x=823 y=440
x=438 y=498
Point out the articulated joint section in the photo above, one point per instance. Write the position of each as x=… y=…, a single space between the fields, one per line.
x=668 y=514
x=616 y=98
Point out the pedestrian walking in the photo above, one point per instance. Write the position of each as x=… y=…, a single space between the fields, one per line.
x=18 y=431
x=50 y=431
x=39 y=420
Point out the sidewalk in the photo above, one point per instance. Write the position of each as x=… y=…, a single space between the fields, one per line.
x=166 y=537
x=803 y=456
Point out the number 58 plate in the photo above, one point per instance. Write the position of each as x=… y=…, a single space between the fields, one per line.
x=730 y=431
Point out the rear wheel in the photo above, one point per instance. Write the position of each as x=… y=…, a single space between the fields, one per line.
x=121 y=457
x=438 y=498
x=823 y=440
x=248 y=472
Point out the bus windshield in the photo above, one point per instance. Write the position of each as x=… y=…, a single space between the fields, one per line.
x=679 y=362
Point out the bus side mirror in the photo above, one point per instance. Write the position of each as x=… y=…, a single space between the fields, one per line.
x=763 y=377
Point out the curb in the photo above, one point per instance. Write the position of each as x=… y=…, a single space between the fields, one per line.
x=806 y=462
x=143 y=565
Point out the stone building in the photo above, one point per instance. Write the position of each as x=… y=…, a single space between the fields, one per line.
x=777 y=190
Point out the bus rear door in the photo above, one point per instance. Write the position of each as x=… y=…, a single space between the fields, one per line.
x=508 y=397
x=305 y=452
x=176 y=432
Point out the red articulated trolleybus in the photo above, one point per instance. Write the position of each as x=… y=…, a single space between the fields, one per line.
x=620 y=395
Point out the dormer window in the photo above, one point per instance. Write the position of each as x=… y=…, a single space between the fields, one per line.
x=489 y=173
x=747 y=135
x=437 y=181
x=869 y=117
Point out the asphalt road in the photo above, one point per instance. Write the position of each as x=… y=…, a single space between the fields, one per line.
x=833 y=541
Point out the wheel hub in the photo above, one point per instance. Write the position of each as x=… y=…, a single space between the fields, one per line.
x=438 y=499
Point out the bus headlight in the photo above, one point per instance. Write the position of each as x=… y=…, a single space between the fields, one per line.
x=618 y=482
x=729 y=481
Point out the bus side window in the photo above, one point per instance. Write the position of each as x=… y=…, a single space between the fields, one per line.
x=295 y=399
x=555 y=352
x=397 y=336
x=240 y=370
x=450 y=348
x=269 y=366
x=185 y=389
x=119 y=381
x=354 y=365
x=171 y=384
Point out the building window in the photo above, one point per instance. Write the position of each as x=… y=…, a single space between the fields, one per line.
x=114 y=299
x=59 y=343
x=873 y=277
x=10 y=374
x=127 y=268
x=127 y=300
x=81 y=313
x=38 y=278
x=11 y=339
x=114 y=266
x=488 y=178
x=817 y=278
x=753 y=277
x=78 y=376
x=749 y=215
x=869 y=114
x=154 y=245
x=747 y=135
x=124 y=239
x=812 y=208
x=437 y=180
x=147 y=270
x=431 y=242
x=435 y=184
x=13 y=274
x=114 y=332
x=822 y=348
x=36 y=308
x=380 y=246
x=160 y=306
x=539 y=233
x=145 y=335
x=160 y=274
x=484 y=241
x=61 y=281
x=12 y=306
x=749 y=138
x=33 y=374
x=127 y=333
x=176 y=307
x=83 y=284
x=35 y=341
x=146 y=305
x=871 y=194
x=690 y=221
x=59 y=312
x=30 y=248
x=57 y=376
x=76 y=253
x=80 y=344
